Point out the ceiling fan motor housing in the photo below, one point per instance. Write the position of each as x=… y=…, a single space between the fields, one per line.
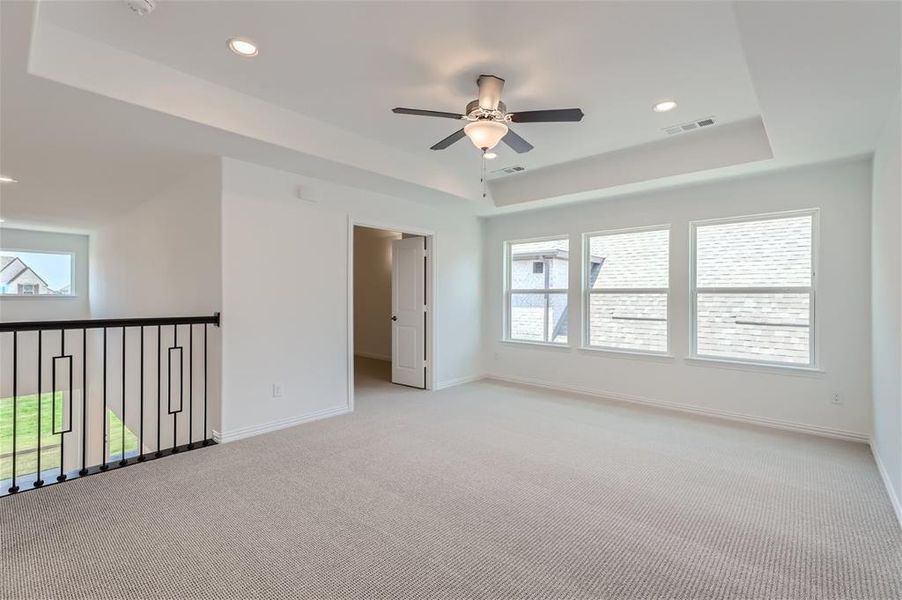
x=490 y=88
x=474 y=112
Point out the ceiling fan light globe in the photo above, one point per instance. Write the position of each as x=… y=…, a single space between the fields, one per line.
x=485 y=134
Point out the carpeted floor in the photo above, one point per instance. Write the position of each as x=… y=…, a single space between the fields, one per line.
x=480 y=491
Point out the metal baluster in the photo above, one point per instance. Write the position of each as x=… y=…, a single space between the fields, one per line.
x=39 y=482
x=104 y=466
x=84 y=403
x=141 y=430
x=159 y=452
x=175 y=414
x=14 y=488
x=190 y=387
x=122 y=461
x=206 y=437
x=62 y=475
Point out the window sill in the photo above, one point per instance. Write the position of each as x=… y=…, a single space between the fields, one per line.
x=545 y=345
x=629 y=354
x=36 y=297
x=738 y=365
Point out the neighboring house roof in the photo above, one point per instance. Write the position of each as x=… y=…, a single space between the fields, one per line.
x=13 y=268
x=536 y=254
x=560 y=254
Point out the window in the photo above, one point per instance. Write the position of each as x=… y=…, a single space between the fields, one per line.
x=753 y=289
x=35 y=273
x=537 y=283
x=627 y=283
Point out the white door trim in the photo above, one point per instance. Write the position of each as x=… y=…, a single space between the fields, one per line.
x=431 y=338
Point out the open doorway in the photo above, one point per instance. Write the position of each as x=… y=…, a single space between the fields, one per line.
x=391 y=306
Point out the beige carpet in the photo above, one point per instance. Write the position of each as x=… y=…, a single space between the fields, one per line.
x=480 y=491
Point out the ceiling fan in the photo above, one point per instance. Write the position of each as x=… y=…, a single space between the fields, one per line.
x=489 y=120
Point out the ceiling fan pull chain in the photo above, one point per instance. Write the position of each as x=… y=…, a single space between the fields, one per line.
x=482 y=178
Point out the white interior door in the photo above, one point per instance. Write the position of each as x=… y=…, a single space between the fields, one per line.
x=408 y=304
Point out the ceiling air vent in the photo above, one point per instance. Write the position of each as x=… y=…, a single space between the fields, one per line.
x=689 y=126
x=508 y=170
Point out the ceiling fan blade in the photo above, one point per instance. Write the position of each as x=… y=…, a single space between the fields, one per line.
x=459 y=134
x=426 y=113
x=518 y=144
x=548 y=116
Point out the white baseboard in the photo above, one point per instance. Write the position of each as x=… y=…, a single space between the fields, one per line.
x=841 y=434
x=441 y=385
x=887 y=483
x=373 y=355
x=244 y=432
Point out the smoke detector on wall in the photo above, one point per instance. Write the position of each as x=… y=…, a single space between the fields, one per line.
x=141 y=7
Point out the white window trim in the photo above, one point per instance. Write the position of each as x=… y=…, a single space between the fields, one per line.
x=813 y=354
x=509 y=292
x=73 y=291
x=587 y=294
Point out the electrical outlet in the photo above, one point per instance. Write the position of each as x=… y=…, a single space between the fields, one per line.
x=836 y=399
x=277 y=390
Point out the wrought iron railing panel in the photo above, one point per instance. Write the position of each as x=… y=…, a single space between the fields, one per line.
x=159 y=432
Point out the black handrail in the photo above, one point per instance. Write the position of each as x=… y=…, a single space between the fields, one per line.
x=98 y=323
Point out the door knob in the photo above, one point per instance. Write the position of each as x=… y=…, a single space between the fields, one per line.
x=394 y=318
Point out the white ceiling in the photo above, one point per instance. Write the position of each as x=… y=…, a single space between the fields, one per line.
x=73 y=153
x=349 y=63
x=103 y=108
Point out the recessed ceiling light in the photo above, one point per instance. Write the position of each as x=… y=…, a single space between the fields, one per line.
x=243 y=47
x=490 y=155
x=5 y=179
x=664 y=106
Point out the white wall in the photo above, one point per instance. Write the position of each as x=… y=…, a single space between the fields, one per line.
x=161 y=259
x=49 y=307
x=841 y=191
x=298 y=336
x=886 y=251
x=372 y=292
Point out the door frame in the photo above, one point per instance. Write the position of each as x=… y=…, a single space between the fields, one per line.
x=431 y=344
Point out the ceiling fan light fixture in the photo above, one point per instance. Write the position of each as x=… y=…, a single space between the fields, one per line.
x=485 y=133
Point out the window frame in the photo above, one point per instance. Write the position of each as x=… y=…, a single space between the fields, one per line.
x=509 y=291
x=73 y=289
x=586 y=341
x=811 y=290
